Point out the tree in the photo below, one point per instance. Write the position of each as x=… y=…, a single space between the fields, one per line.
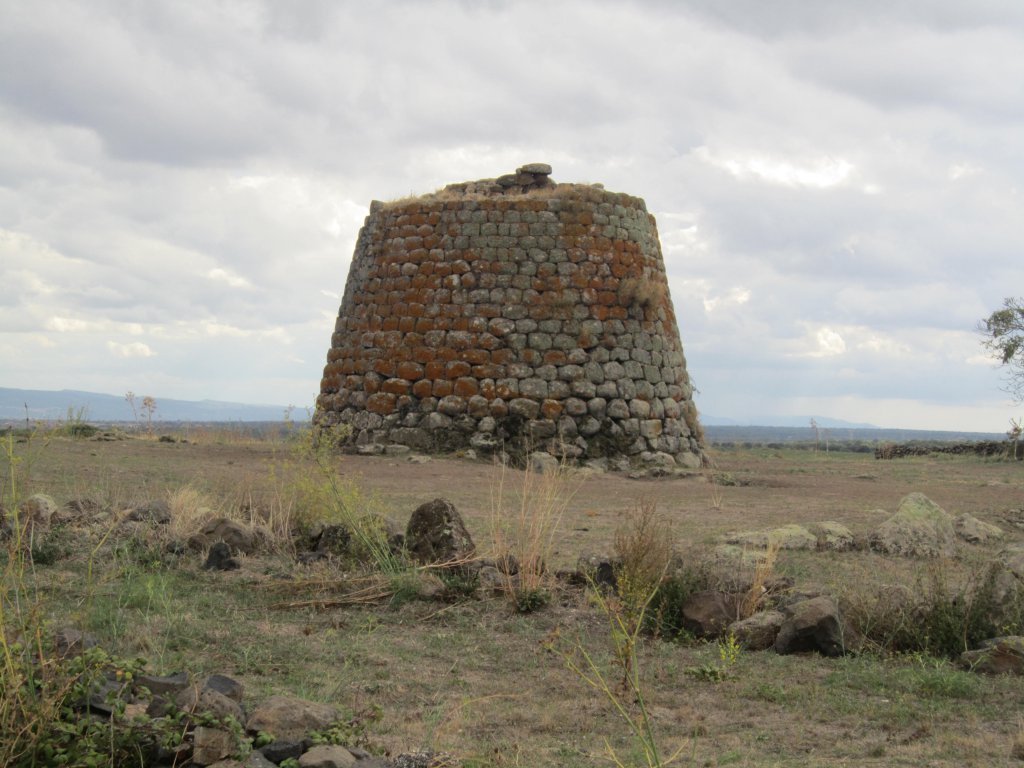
x=1004 y=337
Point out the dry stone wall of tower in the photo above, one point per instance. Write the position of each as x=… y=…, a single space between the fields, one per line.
x=513 y=314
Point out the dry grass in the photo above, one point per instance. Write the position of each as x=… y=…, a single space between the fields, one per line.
x=643 y=546
x=591 y=193
x=644 y=293
x=525 y=516
x=764 y=570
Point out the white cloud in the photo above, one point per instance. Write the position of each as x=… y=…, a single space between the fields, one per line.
x=131 y=349
x=817 y=173
x=222 y=275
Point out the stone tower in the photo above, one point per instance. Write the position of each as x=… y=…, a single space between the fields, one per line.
x=515 y=314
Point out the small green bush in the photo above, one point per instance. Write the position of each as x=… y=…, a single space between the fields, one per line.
x=664 y=617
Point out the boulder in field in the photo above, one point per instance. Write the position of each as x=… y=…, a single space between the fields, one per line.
x=436 y=534
x=811 y=625
x=920 y=528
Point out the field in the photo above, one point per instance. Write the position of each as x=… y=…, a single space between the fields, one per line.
x=459 y=670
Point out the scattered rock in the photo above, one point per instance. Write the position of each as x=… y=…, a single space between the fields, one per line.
x=282 y=749
x=289 y=718
x=157 y=511
x=425 y=758
x=436 y=534
x=163 y=685
x=240 y=538
x=327 y=756
x=210 y=745
x=207 y=701
x=257 y=759
x=68 y=641
x=334 y=539
x=920 y=528
x=224 y=685
x=78 y=510
x=759 y=631
x=811 y=625
x=599 y=568
x=709 y=612
x=998 y=656
x=975 y=531
x=542 y=463
x=787 y=537
x=220 y=559
x=35 y=514
x=832 y=536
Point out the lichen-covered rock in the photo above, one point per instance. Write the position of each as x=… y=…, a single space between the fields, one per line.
x=975 y=531
x=920 y=528
x=290 y=719
x=833 y=536
x=240 y=538
x=437 y=534
x=998 y=656
x=758 y=632
x=790 y=536
x=157 y=511
x=35 y=513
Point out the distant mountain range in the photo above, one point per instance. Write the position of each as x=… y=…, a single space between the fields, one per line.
x=823 y=422
x=18 y=404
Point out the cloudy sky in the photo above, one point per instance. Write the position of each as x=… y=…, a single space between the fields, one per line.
x=838 y=185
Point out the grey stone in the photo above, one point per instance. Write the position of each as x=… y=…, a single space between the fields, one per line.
x=998 y=656
x=758 y=632
x=618 y=409
x=157 y=511
x=208 y=702
x=708 y=613
x=811 y=625
x=327 y=756
x=290 y=719
x=974 y=531
x=437 y=534
x=210 y=745
x=543 y=463
x=524 y=407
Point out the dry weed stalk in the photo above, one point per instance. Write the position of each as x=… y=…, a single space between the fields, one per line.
x=524 y=522
x=644 y=549
x=716 y=489
x=764 y=569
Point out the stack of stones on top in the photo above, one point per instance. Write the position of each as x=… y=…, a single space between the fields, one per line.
x=528 y=177
x=512 y=314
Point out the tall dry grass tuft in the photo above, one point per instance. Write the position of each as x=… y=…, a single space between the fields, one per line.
x=524 y=522
x=764 y=570
x=643 y=548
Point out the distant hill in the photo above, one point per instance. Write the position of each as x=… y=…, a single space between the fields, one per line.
x=824 y=422
x=762 y=435
x=18 y=404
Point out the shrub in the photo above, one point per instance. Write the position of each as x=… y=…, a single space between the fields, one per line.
x=940 y=616
x=643 y=549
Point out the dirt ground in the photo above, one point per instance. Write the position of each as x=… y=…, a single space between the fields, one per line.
x=474 y=678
